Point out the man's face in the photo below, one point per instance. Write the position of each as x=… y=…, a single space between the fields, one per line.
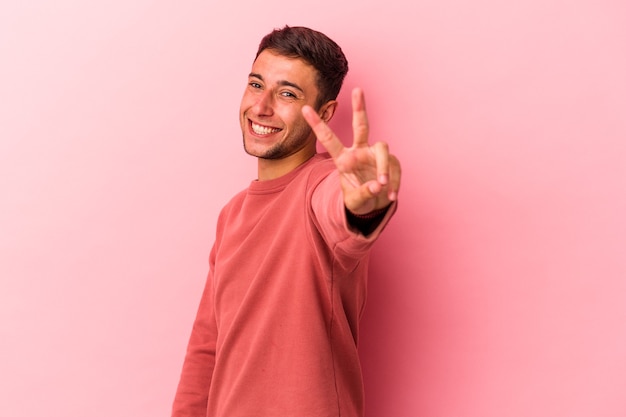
x=270 y=113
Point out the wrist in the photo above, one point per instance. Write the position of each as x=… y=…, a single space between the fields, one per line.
x=371 y=215
x=368 y=222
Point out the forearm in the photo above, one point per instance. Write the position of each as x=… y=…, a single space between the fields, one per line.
x=193 y=389
x=195 y=380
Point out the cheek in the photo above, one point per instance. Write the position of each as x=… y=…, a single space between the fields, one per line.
x=247 y=101
x=243 y=105
x=293 y=117
x=301 y=123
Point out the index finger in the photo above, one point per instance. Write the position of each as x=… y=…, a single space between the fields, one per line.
x=324 y=134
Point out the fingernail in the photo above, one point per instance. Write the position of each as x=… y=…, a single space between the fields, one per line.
x=383 y=179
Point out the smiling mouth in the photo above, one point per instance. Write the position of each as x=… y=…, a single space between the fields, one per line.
x=263 y=130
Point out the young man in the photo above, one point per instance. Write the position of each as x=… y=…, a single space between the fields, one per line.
x=277 y=327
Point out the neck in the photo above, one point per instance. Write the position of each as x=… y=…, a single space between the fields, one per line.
x=269 y=169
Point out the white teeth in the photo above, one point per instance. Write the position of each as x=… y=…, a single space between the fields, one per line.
x=263 y=130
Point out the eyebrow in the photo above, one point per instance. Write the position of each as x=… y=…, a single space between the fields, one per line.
x=281 y=82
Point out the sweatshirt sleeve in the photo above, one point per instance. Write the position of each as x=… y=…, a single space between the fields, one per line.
x=330 y=218
x=193 y=388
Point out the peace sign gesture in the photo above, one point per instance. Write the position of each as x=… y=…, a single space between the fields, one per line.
x=370 y=175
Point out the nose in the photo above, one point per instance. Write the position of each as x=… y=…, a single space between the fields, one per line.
x=264 y=103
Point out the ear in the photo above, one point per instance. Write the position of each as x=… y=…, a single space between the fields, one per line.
x=327 y=111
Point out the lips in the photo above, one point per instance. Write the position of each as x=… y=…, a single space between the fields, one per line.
x=263 y=130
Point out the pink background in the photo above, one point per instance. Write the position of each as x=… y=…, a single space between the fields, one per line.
x=498 y=290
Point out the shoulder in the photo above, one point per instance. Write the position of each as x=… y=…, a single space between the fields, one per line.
x=235 y=202
x=319 y=168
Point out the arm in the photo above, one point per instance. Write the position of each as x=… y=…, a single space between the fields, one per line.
x=193 y=389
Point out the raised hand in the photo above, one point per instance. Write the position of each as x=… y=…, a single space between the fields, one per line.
x=370 y=175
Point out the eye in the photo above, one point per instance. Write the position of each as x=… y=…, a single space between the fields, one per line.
x=254 y=84
x=287 y=94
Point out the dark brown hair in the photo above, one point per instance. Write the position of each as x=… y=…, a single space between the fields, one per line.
x=317 y=50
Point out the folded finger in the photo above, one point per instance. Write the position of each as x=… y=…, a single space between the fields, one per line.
x=381 y=153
